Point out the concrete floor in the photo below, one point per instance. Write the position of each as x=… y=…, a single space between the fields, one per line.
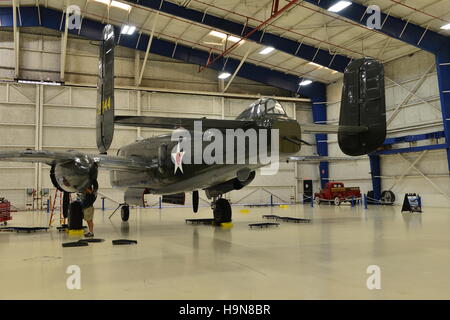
x=326 y=259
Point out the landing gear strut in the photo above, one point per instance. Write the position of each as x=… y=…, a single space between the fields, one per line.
x=222 y=210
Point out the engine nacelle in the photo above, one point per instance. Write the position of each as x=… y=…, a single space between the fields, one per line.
x=227 y=186
x=75 y=175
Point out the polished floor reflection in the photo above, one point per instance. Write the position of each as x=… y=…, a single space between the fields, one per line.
x=326 y=259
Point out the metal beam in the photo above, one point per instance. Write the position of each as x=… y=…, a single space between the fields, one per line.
x=412 y=93
x=375 y=172
x=394 y=27
x=238 y=67
x=64 y=46
x=425 y=177
x=319 y=109
x=307 y=52
x=443 y=72
x=149 y=44
x=411 y=166
x=16 y=40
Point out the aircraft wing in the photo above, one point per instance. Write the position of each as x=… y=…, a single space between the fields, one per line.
x=317 y=159
x=103 y=161
x=175 y=123
x=324 y=128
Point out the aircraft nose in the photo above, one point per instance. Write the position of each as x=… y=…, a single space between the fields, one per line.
x=290 y=135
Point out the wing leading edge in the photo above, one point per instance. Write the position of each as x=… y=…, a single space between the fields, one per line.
x=103 y=161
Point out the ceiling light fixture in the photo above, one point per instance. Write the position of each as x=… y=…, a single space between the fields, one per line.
x=305 y=83
x=48 y=83
x=267 y=50
x=218 y=34
x=224 y=75
x=127 y=29
x=316 y=65
x=107 y=2
x=222 y=35
x=121 y=5
x=341 y=5
x=446 y=27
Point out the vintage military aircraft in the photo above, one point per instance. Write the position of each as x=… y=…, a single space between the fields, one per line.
x=158 y=165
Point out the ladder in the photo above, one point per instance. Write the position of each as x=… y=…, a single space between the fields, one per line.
x=53 y=208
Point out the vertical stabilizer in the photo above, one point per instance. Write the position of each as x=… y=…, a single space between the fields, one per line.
x=105 y=91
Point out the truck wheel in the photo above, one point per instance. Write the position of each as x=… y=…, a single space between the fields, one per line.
x=317 y=200
x=337 y=201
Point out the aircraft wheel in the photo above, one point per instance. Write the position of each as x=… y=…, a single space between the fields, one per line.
x=222 y=211
x=317 y=200
x=125 y=213
x=337 y=201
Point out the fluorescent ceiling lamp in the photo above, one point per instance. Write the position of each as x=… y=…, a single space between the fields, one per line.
x=127 y=29
x=267 y=50
x=121 y=5
x=218 y=34
x=446 y=27
x=104 y=1
x=234 y=39
x=341 y=5
x=48 y=83
x=305 y=83
x=222 y=35
x=316 y=65
x=224 y=75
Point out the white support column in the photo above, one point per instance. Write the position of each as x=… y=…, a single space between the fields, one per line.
x=137 y=62
x=36 y=137
x=138 y=111
x=40 y=98
x=148 y=48
x=64 y=47
x=16 y=40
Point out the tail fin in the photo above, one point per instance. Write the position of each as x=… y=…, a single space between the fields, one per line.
x=105 y=91
x=363 y=105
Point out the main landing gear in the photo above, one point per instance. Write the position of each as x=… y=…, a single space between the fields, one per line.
x=124 y=212
x=221 y=209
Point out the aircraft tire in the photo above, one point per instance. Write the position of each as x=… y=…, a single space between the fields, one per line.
x=222 y=211
x=125 y=213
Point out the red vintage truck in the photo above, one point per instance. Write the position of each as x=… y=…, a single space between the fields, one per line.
x=337 y=192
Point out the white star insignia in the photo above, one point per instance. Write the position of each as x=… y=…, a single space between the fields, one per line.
x=178 y=159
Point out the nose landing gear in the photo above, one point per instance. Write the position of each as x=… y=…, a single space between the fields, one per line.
x=222 y=210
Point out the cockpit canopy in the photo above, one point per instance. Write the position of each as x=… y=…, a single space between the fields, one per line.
x=262 y=107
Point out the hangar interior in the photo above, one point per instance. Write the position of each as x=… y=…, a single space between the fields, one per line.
x=170 y=66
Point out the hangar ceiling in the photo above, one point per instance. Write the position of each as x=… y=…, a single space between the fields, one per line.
x=302 y=22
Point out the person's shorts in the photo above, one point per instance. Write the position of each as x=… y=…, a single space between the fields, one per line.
x=88 y=213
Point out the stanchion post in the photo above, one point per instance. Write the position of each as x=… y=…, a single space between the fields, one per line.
x=312 y=202
x=365 y=202
x=103 y=203
x=160 y=203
